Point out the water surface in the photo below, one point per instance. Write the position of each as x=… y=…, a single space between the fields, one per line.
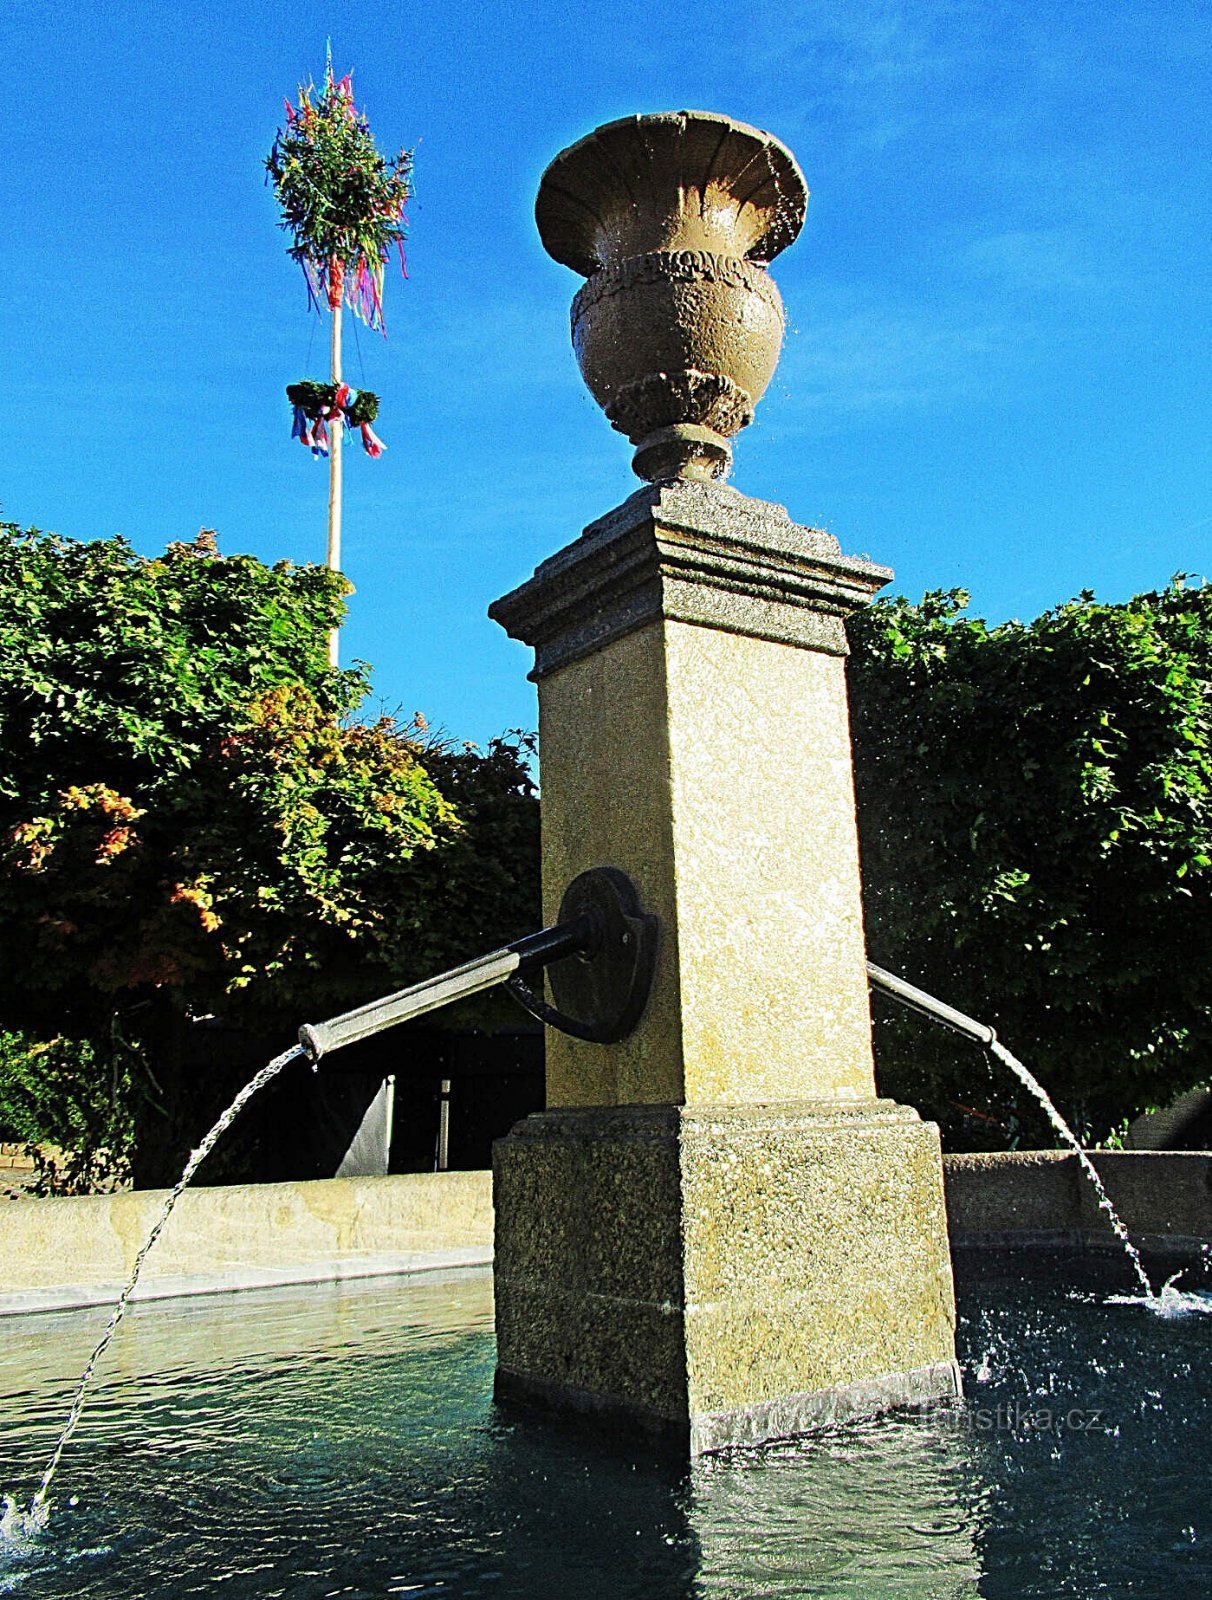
x=341 y=1441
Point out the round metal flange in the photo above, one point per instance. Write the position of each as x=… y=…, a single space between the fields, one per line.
x=600 y=993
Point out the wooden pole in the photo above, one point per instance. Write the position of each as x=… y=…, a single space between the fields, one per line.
x=333 y=558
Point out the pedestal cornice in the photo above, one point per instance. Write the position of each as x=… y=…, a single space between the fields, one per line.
x=690 y=552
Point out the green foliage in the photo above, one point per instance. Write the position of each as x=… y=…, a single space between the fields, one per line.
x=183 y=798
x=1035 y=812
x=342 y=202
x=71 y=1102
x=365 y=408
x=486 y=877
x=116 y=669
x=313 y=397
x=192 y=820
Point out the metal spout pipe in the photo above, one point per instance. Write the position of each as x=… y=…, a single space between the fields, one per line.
x=915 y=999
x=577 y=936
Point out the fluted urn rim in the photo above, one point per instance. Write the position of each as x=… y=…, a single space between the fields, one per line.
x=636 y=162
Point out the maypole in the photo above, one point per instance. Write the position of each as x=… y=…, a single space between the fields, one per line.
x=343 y=205
x=333 y=558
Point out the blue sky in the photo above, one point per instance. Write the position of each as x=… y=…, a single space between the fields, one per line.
x=997 y=373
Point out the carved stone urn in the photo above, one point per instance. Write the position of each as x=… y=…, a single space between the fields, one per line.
x=673 y=218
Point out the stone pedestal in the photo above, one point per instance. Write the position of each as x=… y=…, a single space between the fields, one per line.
x=723 y=1275
x=716 y=1229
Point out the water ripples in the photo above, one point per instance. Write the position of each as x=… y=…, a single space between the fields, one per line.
x=342 y=1441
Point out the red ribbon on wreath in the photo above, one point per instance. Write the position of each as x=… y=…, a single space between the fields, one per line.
x=371 y=443
x=334 y=414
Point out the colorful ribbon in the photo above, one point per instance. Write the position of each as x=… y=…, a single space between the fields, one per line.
x=371 y=443
x=301 y=428
x=319 y=407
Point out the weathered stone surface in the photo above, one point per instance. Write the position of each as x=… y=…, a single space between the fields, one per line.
x=671 y=174
x=78 y=1251
x=721 y=1234
x=710 y=331
x=1042 y=1197
x=709 y=759
x=729 y=803
x=1162 y=1192
x=1185 y=1124
x=1025 y=1190
x=672 y=218
x=723 y=1274
x=696 y=553
x=609 y=714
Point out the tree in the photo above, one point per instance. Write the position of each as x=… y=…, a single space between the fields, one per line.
x=1035 y=815
x=193 y=820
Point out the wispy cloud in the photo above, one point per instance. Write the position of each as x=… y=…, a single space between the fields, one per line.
x=1062 y=260
x=885 y=357
x=870 y=68
x=885 y=41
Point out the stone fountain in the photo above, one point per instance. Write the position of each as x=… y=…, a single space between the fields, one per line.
x=716 y=1231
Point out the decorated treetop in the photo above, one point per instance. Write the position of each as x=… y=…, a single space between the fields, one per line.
x=342 y=201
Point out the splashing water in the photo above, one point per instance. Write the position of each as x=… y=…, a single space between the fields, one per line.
x=20 y=1524
x=1171 y=1302
x=784 y=208
x=1062 y=1127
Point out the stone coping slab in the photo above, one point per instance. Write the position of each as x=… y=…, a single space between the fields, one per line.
x=60 y=1253
x=56 y=1254
x=700 y=553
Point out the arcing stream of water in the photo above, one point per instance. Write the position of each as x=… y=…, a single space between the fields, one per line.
x=1166 y=1301
x=1029 y=1079
x=17 y=1522
x=915 y=999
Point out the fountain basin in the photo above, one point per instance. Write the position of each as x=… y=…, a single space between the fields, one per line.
x=1041 y=1199
x=60 y=1253
x=342 y=1439
x=56 y=1254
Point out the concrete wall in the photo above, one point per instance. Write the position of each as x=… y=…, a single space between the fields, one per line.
x=57 y=1253
x=60 y=1253
x=1164 y=1197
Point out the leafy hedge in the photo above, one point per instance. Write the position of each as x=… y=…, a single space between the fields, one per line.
x=71 y=1102
x=1035 y=813
x=194 y=819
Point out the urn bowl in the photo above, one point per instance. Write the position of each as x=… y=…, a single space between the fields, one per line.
x=672 y=219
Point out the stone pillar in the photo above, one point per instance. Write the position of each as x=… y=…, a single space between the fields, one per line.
x=716 y=1231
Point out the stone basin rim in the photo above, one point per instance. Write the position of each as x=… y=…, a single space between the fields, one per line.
x=571 y=242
